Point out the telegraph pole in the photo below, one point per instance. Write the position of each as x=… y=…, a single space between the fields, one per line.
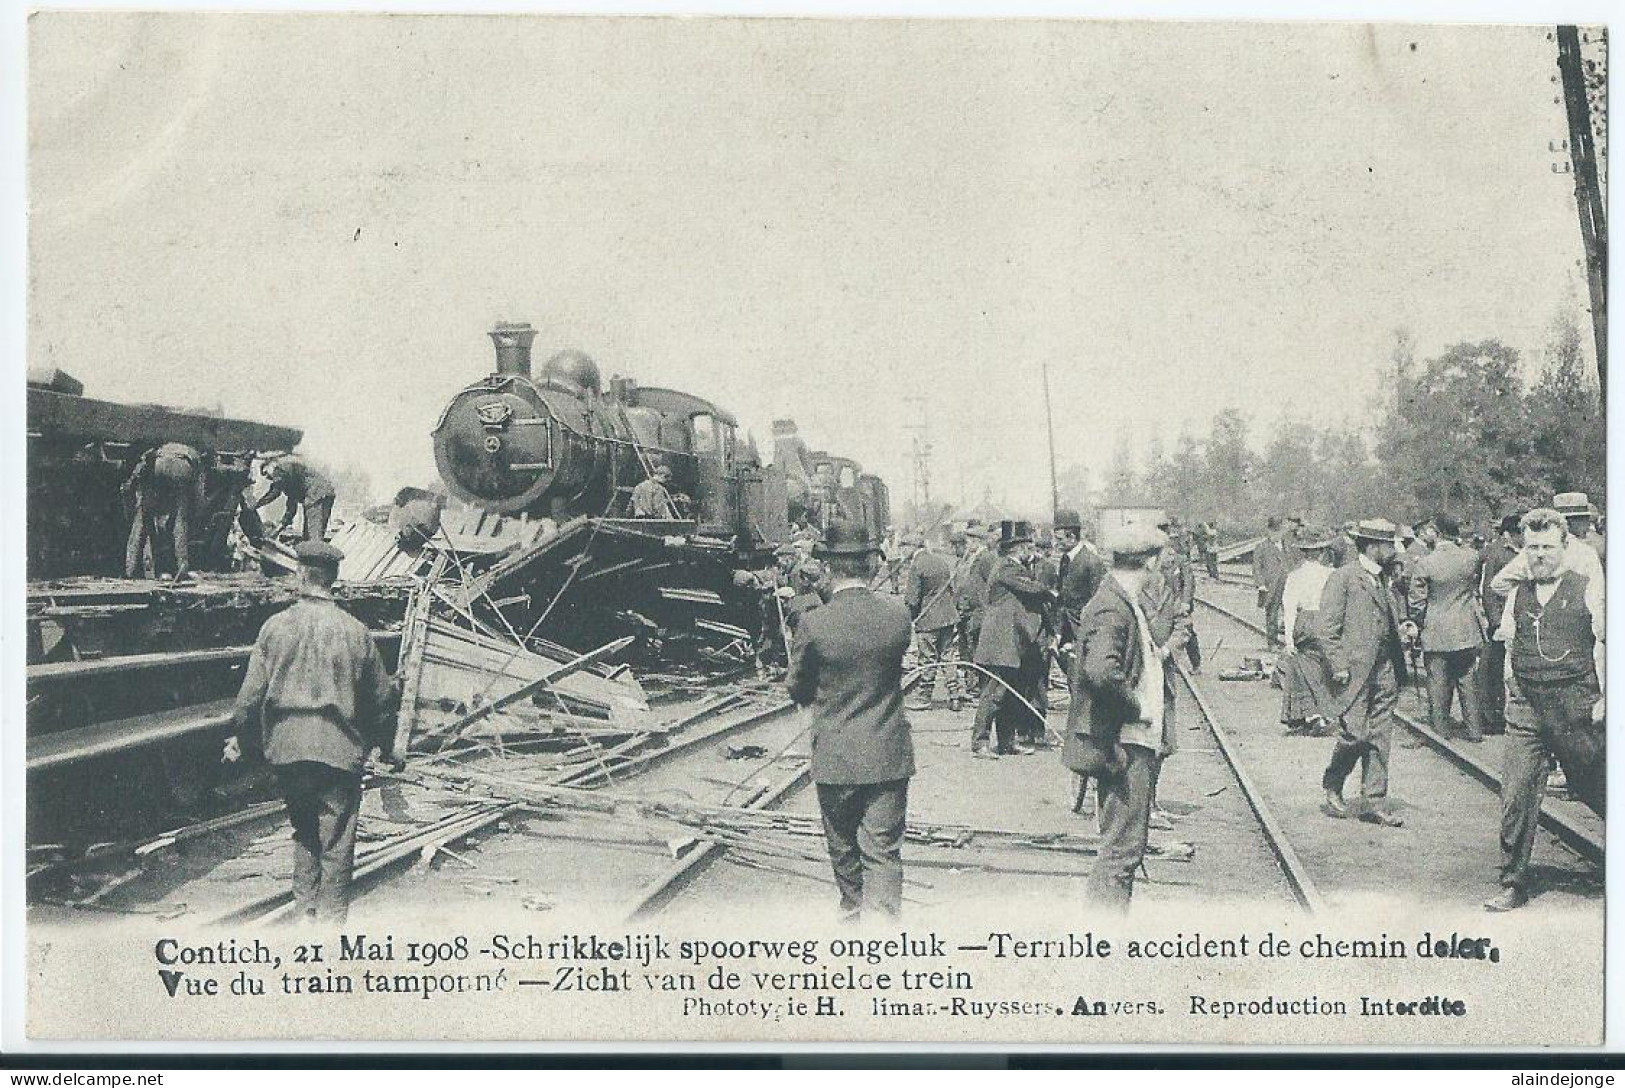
x=1049 y=425
x=919 y=430
x=1588 y=198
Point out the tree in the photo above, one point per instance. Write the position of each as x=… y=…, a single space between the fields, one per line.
x=1354 y=485
x=1290 y=474
x=1122 y=484
x=1230 y=466
x=1456 y=436
x=1075 y=485
x=1568 y=433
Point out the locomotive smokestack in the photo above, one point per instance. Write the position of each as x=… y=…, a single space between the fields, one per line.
x=512 y=340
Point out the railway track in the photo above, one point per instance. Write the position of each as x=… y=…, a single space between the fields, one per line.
x=1296 y=874
x=163 y=868
x=1449 y=846
x=1568 y=829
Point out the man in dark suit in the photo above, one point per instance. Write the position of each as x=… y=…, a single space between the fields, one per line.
x=1115 y=726
x=301 y=487
x=929 y=596
x=1010 y=644
x=1443 y=598
x=846 y=668
x=1360 y=630
x=1082 y=571
x=1269 y=574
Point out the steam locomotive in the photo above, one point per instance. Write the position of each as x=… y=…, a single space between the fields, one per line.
x=559 y=444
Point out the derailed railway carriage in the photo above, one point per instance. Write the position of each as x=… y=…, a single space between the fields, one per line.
x=559 y=443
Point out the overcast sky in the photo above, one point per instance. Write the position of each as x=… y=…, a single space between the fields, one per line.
x=314 y=219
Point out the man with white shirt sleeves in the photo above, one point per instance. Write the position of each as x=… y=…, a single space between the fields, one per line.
x=1578 y=556
x=1554 y=622
x=1304 y=693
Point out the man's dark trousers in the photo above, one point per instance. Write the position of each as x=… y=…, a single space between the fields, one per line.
x=863 y=827
x=935 y=655
x=1562 y=727
x=1125 y=826
x=1450 y=671
x=1366 y=736
x=322 y=803
x=316 y=518
x=993 y=712
x=1492 y=687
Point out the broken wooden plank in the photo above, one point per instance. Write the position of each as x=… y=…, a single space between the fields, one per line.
x=456 y=730
x=414 y=644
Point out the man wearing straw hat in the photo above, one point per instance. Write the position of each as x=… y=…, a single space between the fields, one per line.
x=1115 y=728
x=846 y=668
x=1578 y=555
x=1360 y=632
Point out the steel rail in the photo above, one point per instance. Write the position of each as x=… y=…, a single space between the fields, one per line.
x=460 y=825
x=1582 y=840
x=660 y=892
x=1292 y=867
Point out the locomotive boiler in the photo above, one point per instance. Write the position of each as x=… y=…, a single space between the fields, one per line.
x=561 y=443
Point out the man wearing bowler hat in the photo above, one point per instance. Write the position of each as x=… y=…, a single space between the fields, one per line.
x=846 y=668
x=1116 y=726
x=315 y=700
x=1360 y=628
x=1010 y=645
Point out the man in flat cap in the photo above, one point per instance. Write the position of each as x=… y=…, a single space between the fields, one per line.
x=1115 y=728
x=301 y=487
x=846 y=668
x=1361 y=626
x=315 y=701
